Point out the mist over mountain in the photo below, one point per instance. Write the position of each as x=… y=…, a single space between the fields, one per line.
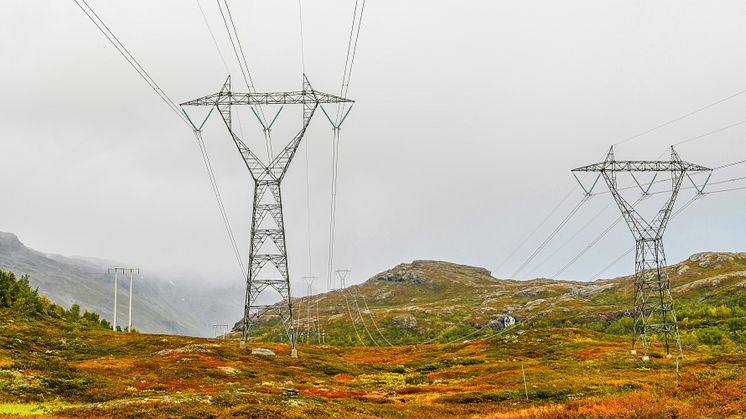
x=161 y=303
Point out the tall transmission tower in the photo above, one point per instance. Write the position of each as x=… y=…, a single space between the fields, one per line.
x=342 y=274
x=267 y=179
x=131 y=272
x=653 y=311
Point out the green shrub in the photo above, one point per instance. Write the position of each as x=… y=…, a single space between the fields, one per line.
x=414 y=380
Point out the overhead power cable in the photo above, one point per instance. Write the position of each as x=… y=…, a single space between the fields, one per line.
x=219 y=199
x=632 y=249
x=552 y=235
x=236 y=44
x=573 y=237
x=352 y=42
x=687 y=115
x=707 y=134
x=238 y=51
x=308 y=212
x=333 y=205
x=124 y=52
x=135 y=64
x=362 y=320
x=595 y=240
x=729 y=164
x=541 y=224
x=302 y=41
x=212 y=35
x=373 y=320
x=352 y=320
x=727 y=190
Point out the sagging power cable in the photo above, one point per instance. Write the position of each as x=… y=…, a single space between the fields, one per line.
x=552 y=235
x=135 y=64
x=238 y=51
x=124 y=52
x=680 y=118
x=341 y=115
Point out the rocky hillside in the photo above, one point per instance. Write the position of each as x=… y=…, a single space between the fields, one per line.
x=160 y=306
x=438 y=301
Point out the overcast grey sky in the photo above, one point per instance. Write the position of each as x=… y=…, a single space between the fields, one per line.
x=469 y=117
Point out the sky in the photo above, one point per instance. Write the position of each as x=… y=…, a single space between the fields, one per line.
x=468 y=119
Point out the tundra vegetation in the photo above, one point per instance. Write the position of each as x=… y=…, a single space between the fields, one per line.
x=573 y=347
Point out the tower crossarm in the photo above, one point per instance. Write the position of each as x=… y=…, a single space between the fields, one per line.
x=276 y=98
x=642 y=166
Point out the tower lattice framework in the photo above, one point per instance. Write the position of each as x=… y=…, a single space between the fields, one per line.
x=653 y=306
x=267 y=202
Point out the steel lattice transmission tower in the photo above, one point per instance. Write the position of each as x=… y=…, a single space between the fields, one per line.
x=653 y=311
x=267 y=198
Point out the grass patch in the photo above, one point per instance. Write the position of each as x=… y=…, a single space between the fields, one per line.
x=28 y=409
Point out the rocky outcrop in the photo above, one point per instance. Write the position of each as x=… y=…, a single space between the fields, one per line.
x=406 y=321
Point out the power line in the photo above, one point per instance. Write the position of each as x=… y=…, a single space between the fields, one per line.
x=352 y=321
x=237 y=51
x=595 y=241
x=707 y=134
x=373 y=320
x=346 y=86
x=133 y=62
x=308 y=210
x=727 y=190
x=730 y=164
x=212 y=35
x=347 y=58
x=541 y=224
x=672 y=121
x=336 y=127
x=244 y=66
x=302 y=41
x=679 y=211
x=333 y=205
x=552 y=235
x=632 y=249
x=573 y=237
x=219 y=199
x=362 y=320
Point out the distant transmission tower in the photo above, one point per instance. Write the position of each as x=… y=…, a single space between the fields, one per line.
x=342 y=274
x=131 y=272
x=220 y=330
x=309 y=309
x=653 y=312
x=267 y=198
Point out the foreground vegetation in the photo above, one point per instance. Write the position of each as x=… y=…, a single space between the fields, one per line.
x=67 y=367
x=56 y=362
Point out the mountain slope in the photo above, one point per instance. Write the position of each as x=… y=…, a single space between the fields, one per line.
x=427 y=301
x=70 y=366
x=159 y=306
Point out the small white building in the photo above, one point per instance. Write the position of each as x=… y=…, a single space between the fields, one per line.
x=509 y=321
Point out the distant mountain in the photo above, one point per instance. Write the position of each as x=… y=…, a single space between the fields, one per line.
x=159 y=305
x=439 y=301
